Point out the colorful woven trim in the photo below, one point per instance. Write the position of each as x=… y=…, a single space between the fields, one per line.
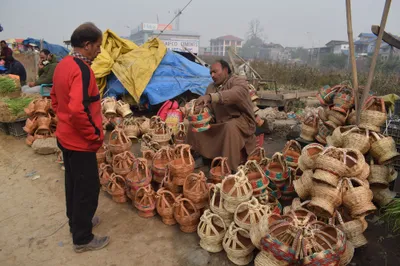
x=324 y=258
x=276 y=176
x=281 y=251
x=200 y=117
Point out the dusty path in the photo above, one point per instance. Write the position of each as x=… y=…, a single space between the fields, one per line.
x=34 y=230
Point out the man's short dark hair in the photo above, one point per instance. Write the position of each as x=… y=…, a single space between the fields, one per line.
x=3 y=41
x=87 y=32
x=225 y=64
x=45 y=51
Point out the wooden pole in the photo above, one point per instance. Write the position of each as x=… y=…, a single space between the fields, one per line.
x=352 y=54
x=376 y=53
x=244 y=61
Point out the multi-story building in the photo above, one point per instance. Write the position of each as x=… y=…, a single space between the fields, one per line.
x=175 y=40
x=219 y=46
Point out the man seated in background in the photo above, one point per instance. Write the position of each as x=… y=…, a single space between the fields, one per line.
x=5 y=51
x=232 y=135
x=16 y=68
x=47 y=65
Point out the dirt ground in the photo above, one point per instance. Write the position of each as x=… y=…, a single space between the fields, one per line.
x=34 y=229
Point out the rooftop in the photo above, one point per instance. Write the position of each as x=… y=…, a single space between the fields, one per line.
x=177 y=32
x=335 y=42
x=229 y=38
x=367 y=35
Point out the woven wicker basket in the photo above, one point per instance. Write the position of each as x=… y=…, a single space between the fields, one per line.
x=118 y=142
x=330 y=166
x=162 y=134
x=354 y=161
x=249 y=213
x=165 y=206
x=260 y=229
x=383 y=196
x=186 y=215
x=309 y=155
x=160 y=163
x=123 y=162
x=219 y=169
x=42 y=106
x=131 y=128
x=140 y=175
x=124 y=109
x=338 y=118
x=180 y=137
x=324 y=131
x=105 y=172
x=303 y=186
x=217 y=205
x=344 y=100
x=373 y=115
x=235 y=190
x=357 y=198
x=337 y=139
x=358 y=139
x=153 y=124
x=169 y=184
x=353 y=229
x=116 y=188
x=392 y=174
x=195 y=189
x=309 y=127
x=291 y=153
x=258 y=154
x=210 y=233
x=378 y=176
x=237 y=245
x=277 y=170
x=182 y=164
x=145 y=201
x=101 y=154
x=325 y=199
x=109 y=106
x=144 y=124
x=327 y=93
x=383 y=148
x=257 y=178
x=199 y=120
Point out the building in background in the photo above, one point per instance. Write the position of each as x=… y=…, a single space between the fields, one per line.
x=338 y=47
x=175 y=40
x=219 y=46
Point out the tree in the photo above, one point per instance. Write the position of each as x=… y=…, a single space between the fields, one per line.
x=255 y=30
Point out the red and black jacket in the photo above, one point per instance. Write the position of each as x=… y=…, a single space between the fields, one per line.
x=76 y=101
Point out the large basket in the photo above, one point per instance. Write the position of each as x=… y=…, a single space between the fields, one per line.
x=195 y=189
x=357 y=198
x=291 y=153
x=123 y=162
x=257 y=178
x=219 y=169
x=373 y=115
x=145 y=202
x=325 y=199
x=303 y=185
x=237 y=245
x=330 y=166
x=383 y=148
x=309 y=155
x=182 y=164
x=249 y=213
x=160 y=163
x=358 y=139
x=235 y=190
x=165 y=206
x=118 y=142
x=186 y=214
x=210 y=233
x=277 y=170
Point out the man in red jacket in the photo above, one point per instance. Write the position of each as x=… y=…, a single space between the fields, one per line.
x=76 y=101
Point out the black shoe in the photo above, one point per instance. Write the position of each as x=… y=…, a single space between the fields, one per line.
x=95 y=222
x=96 y=244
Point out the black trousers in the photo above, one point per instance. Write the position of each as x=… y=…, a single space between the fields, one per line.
x=82 y=187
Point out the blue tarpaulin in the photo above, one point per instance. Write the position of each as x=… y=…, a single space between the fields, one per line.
x=58 y=50
x=114 y=87
x=174 y=76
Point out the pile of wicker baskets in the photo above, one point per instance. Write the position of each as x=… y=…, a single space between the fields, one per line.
x=41 y=122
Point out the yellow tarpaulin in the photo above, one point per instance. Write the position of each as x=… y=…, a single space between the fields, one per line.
x=133 y=65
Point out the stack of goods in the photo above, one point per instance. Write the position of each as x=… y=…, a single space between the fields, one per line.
x=337 y=182
x=10 y=86
x=41 y=123
x=171 y=115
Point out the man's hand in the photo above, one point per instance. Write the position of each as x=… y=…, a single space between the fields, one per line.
x=203 y=100
x=31 y=84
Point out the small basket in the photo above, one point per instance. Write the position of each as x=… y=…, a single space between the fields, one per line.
x=344 y=100
x=144 y=124
x=195 y=189
x=235 y=190
x=182 y=164
x=336 y=117
x=145 y=202
x=327 y=93
x=101 y=154
x=249 y=213
x=105 y=172
x=119 y=142
x=131 y=128
x=123 y=162
x=330 y=166
x=116 y=188
x=357 y=198
x=210 y=233
x=237 y=245
x=168 y=183
x=257 y=178
x=336 y=139
x=186 y=214
x=324 y=131
x=383 y=149
x=140 y=175
x=217 y=205
x=123 y=109
x=325 y=199
x=277 y=170
x=258 y=154
x=165 y=206
x=160 y=163
x=291 y=153
x=358 y=139
x=308 y=156
x=153 y=123
x=42 y=106
x=373 y=115
x=309 y=127
x=162 y=134
x=199 y=121
x=219 y=169
x=109 y=105
x=353 y=229
x=180 y=137
x=378 y=176
x=303 y=186
x=354 y=161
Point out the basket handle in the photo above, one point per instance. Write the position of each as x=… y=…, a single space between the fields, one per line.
x=278 y=157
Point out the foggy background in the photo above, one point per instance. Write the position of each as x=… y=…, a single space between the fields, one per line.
x=306 y=23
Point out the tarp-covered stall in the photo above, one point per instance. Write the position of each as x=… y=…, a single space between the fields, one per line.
x=58 y=50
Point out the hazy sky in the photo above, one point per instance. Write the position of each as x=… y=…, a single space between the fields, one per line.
x=289 y=22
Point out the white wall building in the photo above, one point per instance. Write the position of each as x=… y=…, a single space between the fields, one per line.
x=219 y=46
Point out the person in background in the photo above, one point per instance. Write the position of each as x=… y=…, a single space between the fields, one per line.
x=76 y=101
x=16 y=68
x=233 y=133
x=5 y=53
x=47 y=65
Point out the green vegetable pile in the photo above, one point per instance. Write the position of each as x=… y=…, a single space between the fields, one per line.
x=392 y=215
x=17 y=105
x=7 y=85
